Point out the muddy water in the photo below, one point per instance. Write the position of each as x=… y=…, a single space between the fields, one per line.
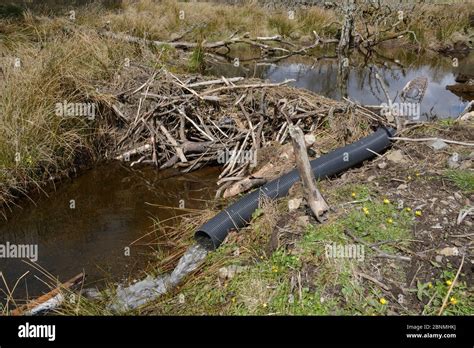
x=396 y=68
x=114 y=206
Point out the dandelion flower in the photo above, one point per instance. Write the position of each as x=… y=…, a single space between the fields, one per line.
x=418 y=213
x=264 y=305
x=390 y=221
x=366 y=210
x=448 y=282
x=417 y=174
x=409 y=177
x=408 y=209
x=430 y=285
x=353 y=194
x=453 y=300
x=383 y=301
x=386 y=201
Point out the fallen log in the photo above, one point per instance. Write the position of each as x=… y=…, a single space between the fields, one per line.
x=49 y=300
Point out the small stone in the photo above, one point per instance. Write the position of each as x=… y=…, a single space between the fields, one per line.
x=402 y=187
x=437 y=226
x=230 y=271
x=294 y=204
x=465 y=165
x=92 y=293
x=371 y=178
x=457 y=196
x=439 y=258
x=453 y=161
x=438 y=144
x=382 y=165
x=302 y=221
x=448 y=251
x=467 y=222
x=396 y=157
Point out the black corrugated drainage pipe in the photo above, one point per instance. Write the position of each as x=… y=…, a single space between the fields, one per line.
x=239 y=214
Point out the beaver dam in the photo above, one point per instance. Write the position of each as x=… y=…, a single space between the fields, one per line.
x=122 y=138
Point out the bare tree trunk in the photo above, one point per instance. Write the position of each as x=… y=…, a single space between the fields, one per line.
x=348 y=27
x=314 y=198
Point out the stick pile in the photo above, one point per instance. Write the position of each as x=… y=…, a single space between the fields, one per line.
x=174 y=121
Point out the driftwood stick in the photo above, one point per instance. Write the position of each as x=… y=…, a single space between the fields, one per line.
x=445 y=302
x=169 y=137
x=195 y=125
x=214 y=82
x=381 y=252
x=434 y=139
x=128 y=154
x=255 y=85
x=314 y=198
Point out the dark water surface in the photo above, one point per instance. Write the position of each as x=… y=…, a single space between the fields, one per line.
x=113 y=208
x=397 y=67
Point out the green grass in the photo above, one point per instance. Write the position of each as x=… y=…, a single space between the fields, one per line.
x=464 y=179
x=301 y=280
x=460 y=301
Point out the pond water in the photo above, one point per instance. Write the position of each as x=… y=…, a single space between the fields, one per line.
x=114 y=207
x=397 y=68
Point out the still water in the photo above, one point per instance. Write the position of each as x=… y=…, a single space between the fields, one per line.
x=87 y=224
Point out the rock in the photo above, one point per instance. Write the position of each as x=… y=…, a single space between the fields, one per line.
x=448 y=251
x=453 y=161
x=294 y=204
x=439 y=258
x=396 y=157
x=437 y=226
x=371 y=178
x=295 y=35
x=92 y=293
x=229 y=272
x=438 y=145
x=382 y=165
x=457 y=196
x=402 y=187
x=465 y=165
x=302 y=221
x=306 y=39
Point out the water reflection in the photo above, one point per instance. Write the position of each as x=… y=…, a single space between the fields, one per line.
x=396 y=69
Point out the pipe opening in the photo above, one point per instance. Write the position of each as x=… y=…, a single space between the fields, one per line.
x=205 y=240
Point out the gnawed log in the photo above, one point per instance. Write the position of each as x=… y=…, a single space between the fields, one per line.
x=313 y=197
x=126 y=155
